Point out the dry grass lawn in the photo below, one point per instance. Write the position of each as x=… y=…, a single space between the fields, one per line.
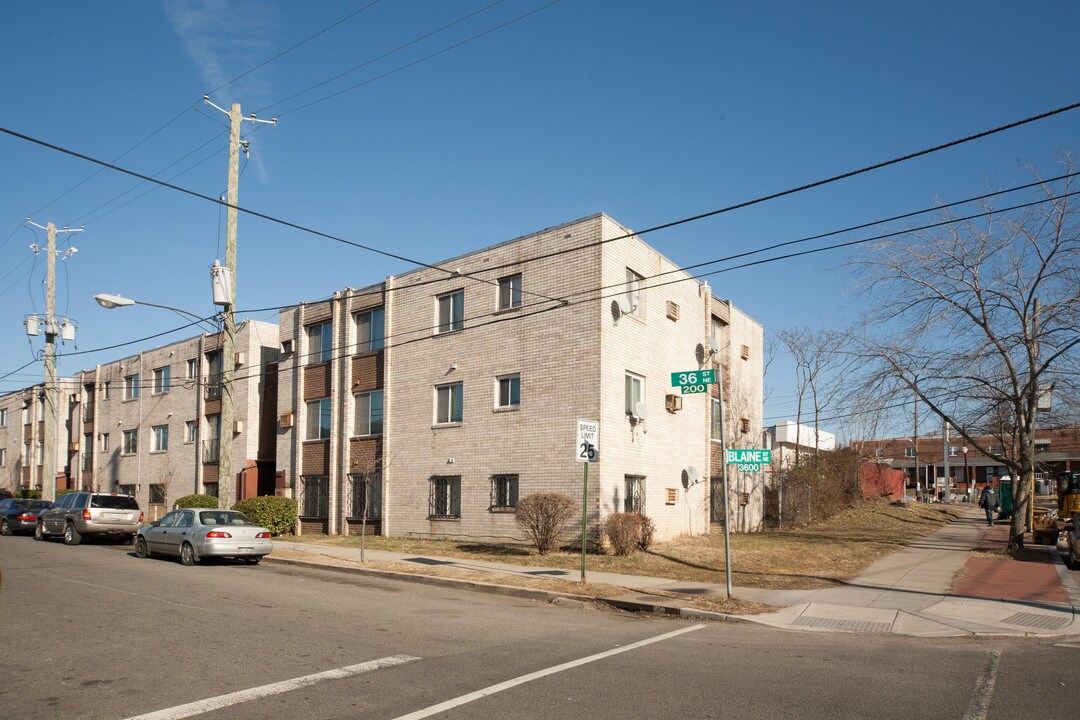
x=817 y=556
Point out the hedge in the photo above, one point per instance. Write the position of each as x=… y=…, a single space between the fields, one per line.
x=196 y=501
x=276 y=514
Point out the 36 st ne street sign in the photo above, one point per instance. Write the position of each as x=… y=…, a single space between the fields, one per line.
x=748 y=459
x=693 y=381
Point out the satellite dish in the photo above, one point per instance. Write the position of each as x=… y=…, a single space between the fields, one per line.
x=625 y=308
x=639 y=411
x=690 y=477
x=713 y=347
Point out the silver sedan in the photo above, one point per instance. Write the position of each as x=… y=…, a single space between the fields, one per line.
x=198 y=533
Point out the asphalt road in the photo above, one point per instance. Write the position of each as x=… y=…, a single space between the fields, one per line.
x=92 y=632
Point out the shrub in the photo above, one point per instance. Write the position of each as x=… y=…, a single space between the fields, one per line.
x=29 y=494
x=542 y=517
x=629 y=532
x=196 y=501
x=62 y=493
x=276 y=514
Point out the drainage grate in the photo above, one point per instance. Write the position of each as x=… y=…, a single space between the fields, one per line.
x=836 y=624
x=1038 y=620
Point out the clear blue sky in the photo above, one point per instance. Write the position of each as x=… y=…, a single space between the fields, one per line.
x=649 y=111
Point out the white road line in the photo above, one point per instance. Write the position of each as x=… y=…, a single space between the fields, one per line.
x=492 y=689
x=984 y=689
x=216 y=703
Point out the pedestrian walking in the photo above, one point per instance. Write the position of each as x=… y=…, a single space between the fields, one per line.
x=988 y=502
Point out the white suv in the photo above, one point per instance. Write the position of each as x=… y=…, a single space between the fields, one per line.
x=85 y=513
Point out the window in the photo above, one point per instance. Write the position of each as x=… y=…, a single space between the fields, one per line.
x=510 y=391
x=633 y=293
x=88 y=402
x=160 y=441
x=318 y=419
x=1042 y=446
x=510 y=292
x=365 y=496
x=191 y=429
x=125 y=490
x=320 y=342
x=210 y=488
x=193 y=369
x=40 y=459
x=161 y=380
x=997 y=449
x=909 y=452
x=131 y=442
x=635 y=393
x=314 y=496
x=286 y=347
x=88 y=451
x=451 y=311
x=635 y=494
x=3 y=457
x=504 y=491
x=369 y=413
x=3 y=417
x=213 y=375
x=717 y=420
x=445 y=500
x=131 y=387
x=26 y=413
x=448 y=403
x=370 y=330
x=104 y=442
x=105 y=388
x=954 y=450
x=24 y=456
x=157 y=494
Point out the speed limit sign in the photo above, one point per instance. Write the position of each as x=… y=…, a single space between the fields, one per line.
x=587 y=447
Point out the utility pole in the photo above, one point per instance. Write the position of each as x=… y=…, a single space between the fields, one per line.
x=945 y=446
x=228 y=344
x=52 y=329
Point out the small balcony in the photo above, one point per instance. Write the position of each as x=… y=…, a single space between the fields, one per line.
x=211 y=451
x=87 y=462
x=213 y=391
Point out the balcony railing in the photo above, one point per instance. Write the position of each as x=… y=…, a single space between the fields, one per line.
x=211 y=450
x=87 y=463
x=213 y=391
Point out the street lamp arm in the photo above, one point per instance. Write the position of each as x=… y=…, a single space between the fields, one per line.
x=109 y=302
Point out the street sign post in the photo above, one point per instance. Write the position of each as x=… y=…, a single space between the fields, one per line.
x=693 y=381
x=748 y=459
x=586 y=450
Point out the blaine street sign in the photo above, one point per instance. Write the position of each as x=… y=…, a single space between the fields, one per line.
x=748 y=459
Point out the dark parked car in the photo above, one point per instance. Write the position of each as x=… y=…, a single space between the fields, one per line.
x=18 y=515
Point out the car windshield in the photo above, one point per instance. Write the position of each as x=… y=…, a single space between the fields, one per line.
x=114 y=502
x=224 y=517
x=39 y=504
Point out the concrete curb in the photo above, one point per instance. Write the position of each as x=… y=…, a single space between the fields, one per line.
x=514 y=591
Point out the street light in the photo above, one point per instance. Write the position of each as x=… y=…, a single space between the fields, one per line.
x=110 y=302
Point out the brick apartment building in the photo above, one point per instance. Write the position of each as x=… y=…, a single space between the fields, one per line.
x=434 y=401
x=22 y=437
x=149 y=424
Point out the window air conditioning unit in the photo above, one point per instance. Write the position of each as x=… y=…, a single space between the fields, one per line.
x=74 y=398
x=286 y=347
x=73 y=446
x=672 y=310
x=286 y=420
x=673 y=403
x=238 y=427
x=745 y=352
x=241 y=358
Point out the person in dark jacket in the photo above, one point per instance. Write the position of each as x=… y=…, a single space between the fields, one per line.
x=988 y=502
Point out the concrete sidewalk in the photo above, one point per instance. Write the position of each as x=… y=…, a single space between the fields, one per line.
x=914 y=591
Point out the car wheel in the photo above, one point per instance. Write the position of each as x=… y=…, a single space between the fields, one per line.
x=5 y=529
x=140 y=549
x=71 y=535
x=187 y=554
x=252 y=560
x=39 y=532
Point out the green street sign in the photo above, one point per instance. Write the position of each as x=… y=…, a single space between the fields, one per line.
x=691 y=389
x=693 y=377
x=748 y=459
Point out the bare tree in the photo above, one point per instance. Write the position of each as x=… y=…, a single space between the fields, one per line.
x=817 y=358
x=977 y=317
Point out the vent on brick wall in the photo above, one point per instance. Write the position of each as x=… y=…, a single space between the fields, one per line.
x=672 y=310
x=670 y=496
x=286 y=420
x=745 y=352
